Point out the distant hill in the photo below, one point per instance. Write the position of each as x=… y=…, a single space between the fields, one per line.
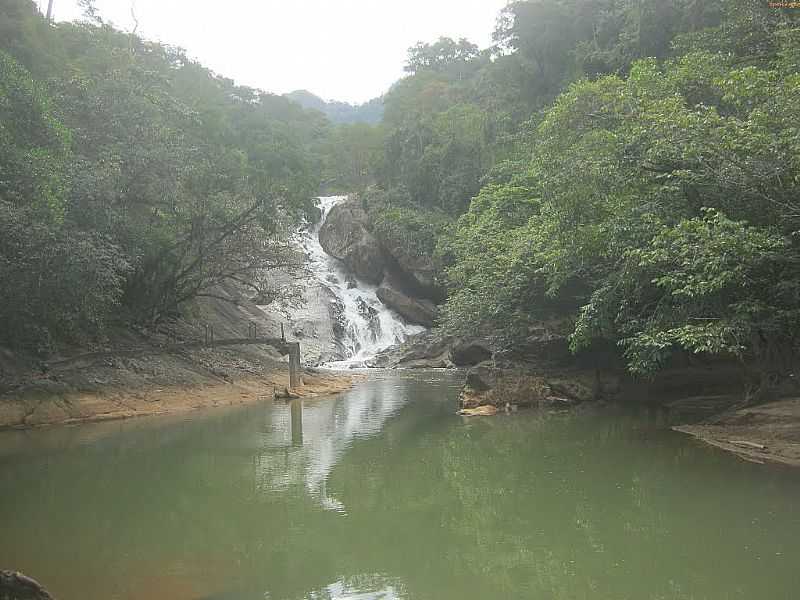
x=340 y=112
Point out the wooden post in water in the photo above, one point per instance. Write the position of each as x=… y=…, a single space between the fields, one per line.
x=295 y=378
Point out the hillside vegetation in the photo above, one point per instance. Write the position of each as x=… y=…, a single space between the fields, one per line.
x=629 y=170
x=134 y=180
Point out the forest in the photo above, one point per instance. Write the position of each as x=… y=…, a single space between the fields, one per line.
x=134 y=179
x=625 y=169
x=628 y=171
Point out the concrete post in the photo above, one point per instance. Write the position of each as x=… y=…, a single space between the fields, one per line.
x=295 y=366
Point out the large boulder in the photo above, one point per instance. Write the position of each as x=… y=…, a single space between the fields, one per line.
x=414 y=310
x=344 y=235
x=427 y=350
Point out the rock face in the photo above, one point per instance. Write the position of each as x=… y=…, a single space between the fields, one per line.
x=432 y=350
x=413 y=310
x=470 y=352
x=315 y=320
x=419 y=270
x=428 y=350
x=489 y=385
x=345 y=236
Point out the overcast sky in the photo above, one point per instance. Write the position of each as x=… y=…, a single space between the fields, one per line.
x=350 y=50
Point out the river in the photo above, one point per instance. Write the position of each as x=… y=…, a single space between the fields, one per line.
x=384 y=493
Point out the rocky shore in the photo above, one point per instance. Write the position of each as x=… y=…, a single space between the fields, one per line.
x=705 y=398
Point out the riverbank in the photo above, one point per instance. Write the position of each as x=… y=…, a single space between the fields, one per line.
x=160 y=371
x=47 y=407
x=760 y=434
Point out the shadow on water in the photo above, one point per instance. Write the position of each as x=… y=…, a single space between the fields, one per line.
x=384 y=493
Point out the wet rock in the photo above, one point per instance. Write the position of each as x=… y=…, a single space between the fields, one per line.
x=427 y=350
x=413 y=310
x=370 y=315
x=467 y=353
x=345 y=236
x=483 y=377
x=573 y=389
x=16 y=586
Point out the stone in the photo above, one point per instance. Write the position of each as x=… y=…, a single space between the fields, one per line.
x=413 y=310
x=420 y=272
x=483 y=377
x=468 y=353
x=345 y=236
x=429 y=349
x=573 y=389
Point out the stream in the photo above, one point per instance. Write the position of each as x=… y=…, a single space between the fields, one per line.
x=384 y=493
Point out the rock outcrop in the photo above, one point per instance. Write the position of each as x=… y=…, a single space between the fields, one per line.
x=413 y=310
x=465 y=353
x=420 y=271
x=433 y=349
x=314 y=319
x=428 y=350
x=345 y=235
x=489 y=385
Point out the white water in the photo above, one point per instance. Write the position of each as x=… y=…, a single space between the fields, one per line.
x=369 y=326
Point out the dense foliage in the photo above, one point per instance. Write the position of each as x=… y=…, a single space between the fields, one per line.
x=134 y=179
x=628 y=169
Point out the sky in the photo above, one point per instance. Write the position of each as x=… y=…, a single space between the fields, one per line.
x=349 y=50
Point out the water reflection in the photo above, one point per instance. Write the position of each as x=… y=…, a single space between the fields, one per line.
x=312 y=437
x=296 y=409
x=385 y=493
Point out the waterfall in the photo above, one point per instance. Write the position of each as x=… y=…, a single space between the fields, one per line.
x=366 y=325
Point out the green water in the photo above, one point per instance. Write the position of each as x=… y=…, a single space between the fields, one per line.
x=385 y=493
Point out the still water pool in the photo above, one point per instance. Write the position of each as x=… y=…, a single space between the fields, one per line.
x=384 y=493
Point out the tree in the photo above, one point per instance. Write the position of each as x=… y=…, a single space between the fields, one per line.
x=444 y=55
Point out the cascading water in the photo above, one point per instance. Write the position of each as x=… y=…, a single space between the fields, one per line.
x=367 y=326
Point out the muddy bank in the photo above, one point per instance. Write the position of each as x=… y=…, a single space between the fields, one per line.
x=761 y=434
